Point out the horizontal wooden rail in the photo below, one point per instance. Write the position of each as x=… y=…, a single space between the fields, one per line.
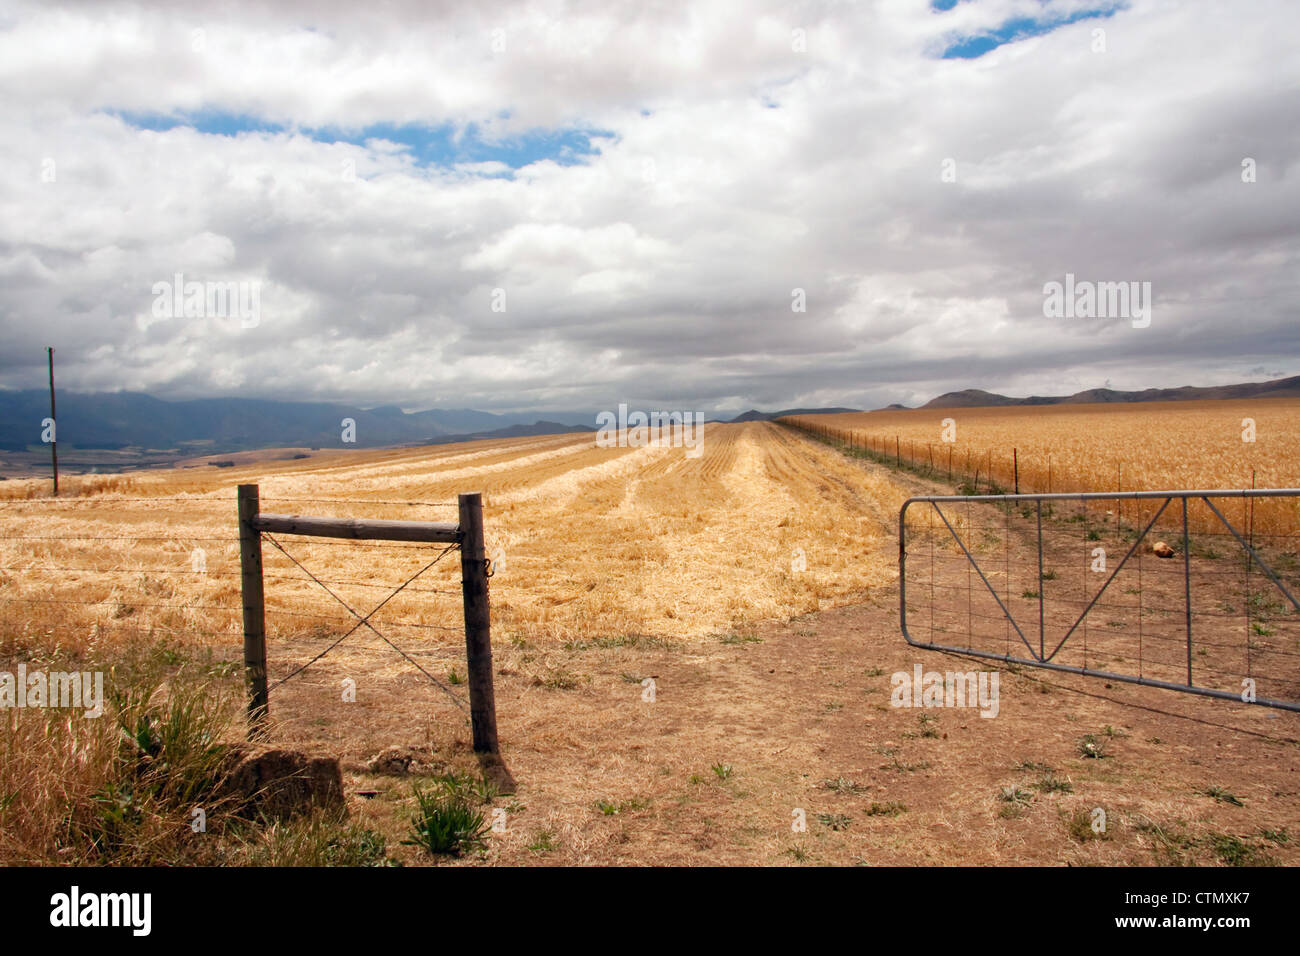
x=359 y=528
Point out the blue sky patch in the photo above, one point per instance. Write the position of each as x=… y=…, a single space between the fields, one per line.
x=1018 y=28
x=441 y=145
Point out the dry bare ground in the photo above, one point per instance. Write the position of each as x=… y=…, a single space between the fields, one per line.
x=772 y=685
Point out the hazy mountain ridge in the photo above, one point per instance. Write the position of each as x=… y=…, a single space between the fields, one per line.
x=115 y=420
x=977 y=398
x=134 y=419
x=754 y=415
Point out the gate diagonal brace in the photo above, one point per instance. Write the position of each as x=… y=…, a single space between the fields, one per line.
x=975 y=564
x=1114 y=574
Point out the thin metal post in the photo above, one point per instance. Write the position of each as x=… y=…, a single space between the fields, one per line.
x=1187 y=592
x=1042 y=633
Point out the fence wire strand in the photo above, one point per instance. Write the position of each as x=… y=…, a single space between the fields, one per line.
x=366 y=619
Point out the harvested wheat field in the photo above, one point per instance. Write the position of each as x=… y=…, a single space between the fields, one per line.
x=585 y=540
x=693 y=660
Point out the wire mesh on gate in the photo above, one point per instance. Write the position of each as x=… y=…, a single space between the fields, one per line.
x=1185 y=590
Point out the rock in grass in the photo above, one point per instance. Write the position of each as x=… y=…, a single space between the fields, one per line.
x=281 y=783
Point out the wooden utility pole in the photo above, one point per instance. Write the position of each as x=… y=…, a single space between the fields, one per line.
x=54 y=428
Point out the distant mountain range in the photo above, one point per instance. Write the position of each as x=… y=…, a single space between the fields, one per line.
x=117 y=420
x=132 y=420
x=515 y=431
x=754 y=415
x=976 y=398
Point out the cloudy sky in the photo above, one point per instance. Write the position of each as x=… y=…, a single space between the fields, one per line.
x=555 y=205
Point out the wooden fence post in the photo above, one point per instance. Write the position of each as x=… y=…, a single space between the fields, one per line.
x=250 y=566
x=478 y=641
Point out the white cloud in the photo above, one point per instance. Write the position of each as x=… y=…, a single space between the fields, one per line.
x=661 y=268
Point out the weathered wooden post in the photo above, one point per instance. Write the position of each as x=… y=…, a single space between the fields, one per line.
x=478 y=641
x=250 y=567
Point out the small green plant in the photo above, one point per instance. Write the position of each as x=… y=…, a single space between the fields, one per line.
x=1079 y=826
x=1223 y=796
x=836 y=821
x=1029 y=594
x=325 y=839
x=560 y=679
x=843 y=785
x=1015 y=795
x=543 y=842
x=472 y=788
x=928 y=728
x=1049 y=575
x=1234 y=851
x=1169 y=846
x=900 y=767
x=798 y=852
x=890 y=809
x=1051 y=783
x=1280 y=837
x=722 y=770
x=446 y=823
x=614 y=807
x=743 y=638
x=875 y=672
x=454 y=678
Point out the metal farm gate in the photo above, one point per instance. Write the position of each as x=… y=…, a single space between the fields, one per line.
x=1186 y=590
